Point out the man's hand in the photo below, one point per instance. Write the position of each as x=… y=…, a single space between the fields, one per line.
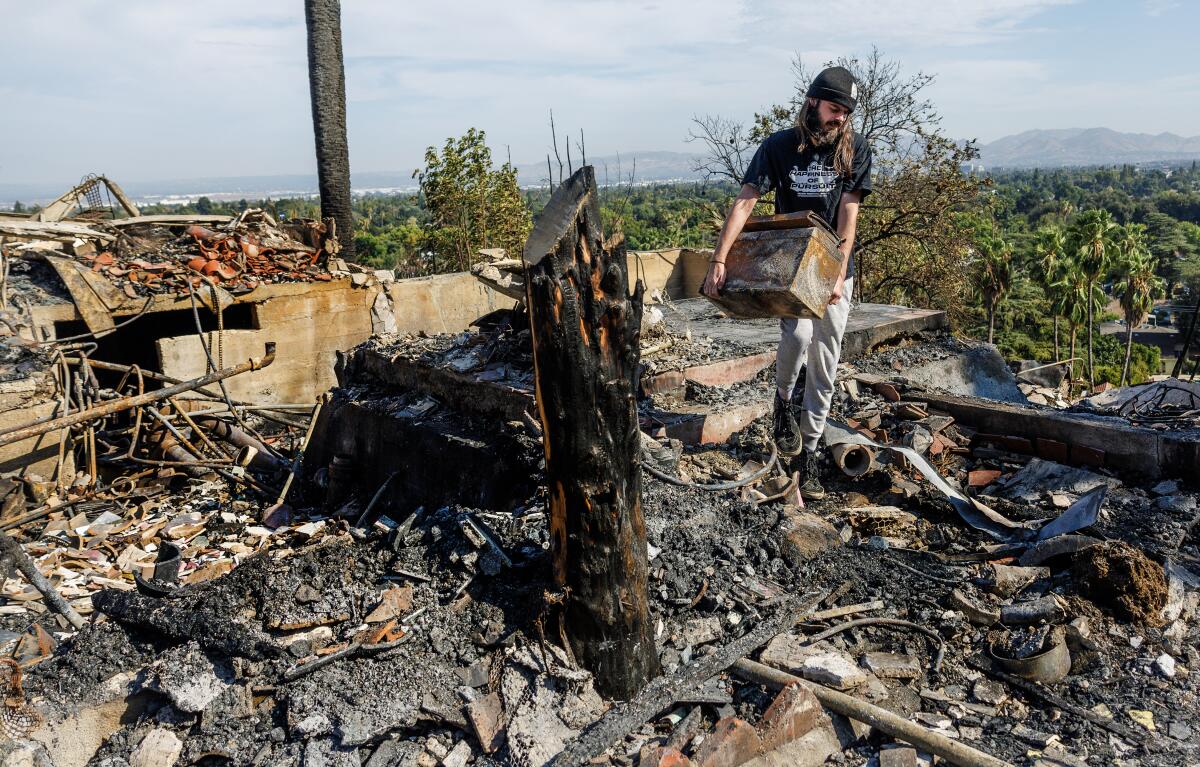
x=714 y=279
x=837 y=291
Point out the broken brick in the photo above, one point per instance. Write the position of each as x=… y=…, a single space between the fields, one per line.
x=1088 y=456
x=1053 y=450
x=732 y=742
x=486 y=716
x=661 y=756
x=887 y=391
x=982 y=477
x=794 y=712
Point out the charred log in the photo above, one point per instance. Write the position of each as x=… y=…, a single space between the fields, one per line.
x=585 y=329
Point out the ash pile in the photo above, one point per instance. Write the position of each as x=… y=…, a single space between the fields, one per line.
x=1049 y=620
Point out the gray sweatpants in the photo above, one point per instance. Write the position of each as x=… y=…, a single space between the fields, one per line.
x=819 y=344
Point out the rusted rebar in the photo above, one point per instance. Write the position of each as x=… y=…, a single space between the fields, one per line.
x=127 y=403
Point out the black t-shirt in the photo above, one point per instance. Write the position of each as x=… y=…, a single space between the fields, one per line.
x=807 y=180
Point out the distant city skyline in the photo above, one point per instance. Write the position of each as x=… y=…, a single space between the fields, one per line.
x=144 y=90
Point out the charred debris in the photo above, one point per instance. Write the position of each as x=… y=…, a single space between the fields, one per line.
x=562 y=536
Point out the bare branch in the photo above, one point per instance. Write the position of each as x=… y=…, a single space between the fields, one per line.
x=729 y=147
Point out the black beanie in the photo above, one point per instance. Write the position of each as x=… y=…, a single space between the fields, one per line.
x=835 y=84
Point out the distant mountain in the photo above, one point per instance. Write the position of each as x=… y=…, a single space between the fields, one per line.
x=1086 y=146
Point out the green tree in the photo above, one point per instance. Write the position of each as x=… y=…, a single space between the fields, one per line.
x=471 y=204
x=1137 y=286
x=993 y=275
x=1093 y=234
x=1076 y=298
x=1168 y=243
x=1050 y=250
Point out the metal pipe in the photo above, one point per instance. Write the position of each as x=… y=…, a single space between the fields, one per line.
x=879 y=718
x=128 y=403
x=299 y=456
x=1048 y=365
x=195 y=455
x=265 y=458
x=115 y=368
x=196 y=430
x=853 y=460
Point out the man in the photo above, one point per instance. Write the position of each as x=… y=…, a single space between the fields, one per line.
x=820 y=165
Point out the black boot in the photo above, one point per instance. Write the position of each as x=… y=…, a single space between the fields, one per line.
x=810 y=486
x=784 y=429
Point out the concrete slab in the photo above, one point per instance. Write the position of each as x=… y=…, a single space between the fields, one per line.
x=869 y=325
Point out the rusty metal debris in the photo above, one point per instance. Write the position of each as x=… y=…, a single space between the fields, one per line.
x=1050 y=665
x=106 y=263
x=19 y=433
x=880 y=718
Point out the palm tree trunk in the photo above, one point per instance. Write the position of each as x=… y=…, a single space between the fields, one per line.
x=1057 y=356
x=1071 y=368
x=1091 y=365
x=327 y=88
x=1128 y=352
x=991 y=321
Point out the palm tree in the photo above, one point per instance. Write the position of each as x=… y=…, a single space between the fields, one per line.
x=1050 y=248
x=1071 y=292
x=995 y=274
x=1137 y=287
x=1093 y=236
x=327 y=88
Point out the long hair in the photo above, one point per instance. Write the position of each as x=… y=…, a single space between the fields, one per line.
x=843 y=151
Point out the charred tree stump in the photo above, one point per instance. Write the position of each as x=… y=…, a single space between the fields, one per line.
x=585 y=329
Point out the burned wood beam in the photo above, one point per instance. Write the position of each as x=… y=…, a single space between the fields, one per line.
x=585 y=330
x=12 y=551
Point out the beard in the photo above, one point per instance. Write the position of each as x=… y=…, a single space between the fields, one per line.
x=823 y=135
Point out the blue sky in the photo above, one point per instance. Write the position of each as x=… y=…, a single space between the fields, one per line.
x=146 y=90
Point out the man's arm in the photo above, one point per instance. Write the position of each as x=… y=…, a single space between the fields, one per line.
x=743 y=206
x=847 y=227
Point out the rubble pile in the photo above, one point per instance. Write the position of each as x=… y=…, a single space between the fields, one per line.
x=222 y=589
x=251 y=249
x=167 y=257
x=1164 y=405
